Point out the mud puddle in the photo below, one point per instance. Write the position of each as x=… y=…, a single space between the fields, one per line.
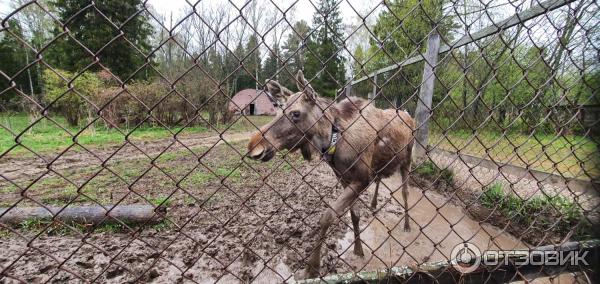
x=436 y=227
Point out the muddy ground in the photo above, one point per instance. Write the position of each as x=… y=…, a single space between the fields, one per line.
x=229 y=219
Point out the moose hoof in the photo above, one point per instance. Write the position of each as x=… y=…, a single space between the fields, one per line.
x=374 y=210
x=359 y=251
x=406 y=227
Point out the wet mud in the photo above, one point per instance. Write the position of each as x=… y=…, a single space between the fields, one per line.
x=258 y=228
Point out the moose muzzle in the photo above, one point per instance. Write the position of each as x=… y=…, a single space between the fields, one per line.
x=259 y=148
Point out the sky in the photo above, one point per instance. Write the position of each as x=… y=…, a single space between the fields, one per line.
x=303 y=9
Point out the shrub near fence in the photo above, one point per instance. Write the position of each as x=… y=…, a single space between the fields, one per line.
x=133 y=106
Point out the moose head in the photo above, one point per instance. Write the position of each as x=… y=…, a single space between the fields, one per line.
x=300 y=119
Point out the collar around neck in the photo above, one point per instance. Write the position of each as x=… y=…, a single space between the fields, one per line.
x=327 y=153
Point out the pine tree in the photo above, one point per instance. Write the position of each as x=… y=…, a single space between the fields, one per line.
x=251 y=65
x=294 y=54
x=323 y=58
x=14 y=56
x=418 y=19
x=271 y=64
x=97 y=34
x=234 y=66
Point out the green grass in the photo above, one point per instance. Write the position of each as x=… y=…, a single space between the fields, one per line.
x=160 y=201
x=429 y=170
x=105 y=186
x=568 y=154
x=46 y=136
x=555 y=213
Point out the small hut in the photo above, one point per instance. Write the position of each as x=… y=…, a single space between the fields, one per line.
x=252 y=102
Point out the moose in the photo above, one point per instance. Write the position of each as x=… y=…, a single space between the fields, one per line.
x=361 y=143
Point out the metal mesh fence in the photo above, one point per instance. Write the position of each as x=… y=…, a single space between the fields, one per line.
x=232 y=141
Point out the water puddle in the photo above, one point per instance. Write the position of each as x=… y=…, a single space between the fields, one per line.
x=436 y=227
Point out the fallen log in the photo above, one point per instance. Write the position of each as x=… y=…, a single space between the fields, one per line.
x=88 y=215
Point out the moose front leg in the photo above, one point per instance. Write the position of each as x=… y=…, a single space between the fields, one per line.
x=356 y=227
x=338 y=208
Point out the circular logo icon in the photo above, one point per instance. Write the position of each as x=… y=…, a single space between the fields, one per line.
x=465 y=257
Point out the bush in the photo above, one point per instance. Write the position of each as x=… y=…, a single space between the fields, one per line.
x=67 y=101
x=141 y=99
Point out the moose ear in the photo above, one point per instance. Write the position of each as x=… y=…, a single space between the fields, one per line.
x=304 y=86
x=280 y=92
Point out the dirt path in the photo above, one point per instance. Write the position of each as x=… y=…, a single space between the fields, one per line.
x=28 y=168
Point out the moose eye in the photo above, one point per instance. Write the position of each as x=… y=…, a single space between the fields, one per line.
x=295 y=115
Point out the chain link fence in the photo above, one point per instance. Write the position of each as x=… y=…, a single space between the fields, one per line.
x=299 y=141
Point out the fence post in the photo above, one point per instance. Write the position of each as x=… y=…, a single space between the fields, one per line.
x=349 y=89
x=372 y=95
x=423 y=111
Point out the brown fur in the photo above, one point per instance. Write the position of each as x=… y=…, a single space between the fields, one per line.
x=374 y=144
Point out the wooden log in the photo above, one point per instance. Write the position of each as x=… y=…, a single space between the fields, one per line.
x=90 y=215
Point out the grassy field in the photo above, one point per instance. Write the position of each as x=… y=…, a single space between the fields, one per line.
x=571 y=155
x=46 y=136
x=141 y=182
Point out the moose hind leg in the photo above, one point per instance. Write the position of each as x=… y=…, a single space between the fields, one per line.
x=357 y=242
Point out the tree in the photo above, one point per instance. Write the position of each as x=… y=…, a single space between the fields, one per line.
x=324 y=60
x=99 y=35
x=14 y=57
x=233 y=64
x=67 y=102
x=271 y=64
x=294 y=54
x=251 y=65
x=392 y=44
x=37 y=28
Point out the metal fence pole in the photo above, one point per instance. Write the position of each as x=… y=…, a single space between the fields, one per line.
x=423 y=110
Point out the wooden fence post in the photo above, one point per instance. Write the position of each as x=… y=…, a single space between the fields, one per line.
x=423 y=111
x=372 y=95
x=349 y=89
